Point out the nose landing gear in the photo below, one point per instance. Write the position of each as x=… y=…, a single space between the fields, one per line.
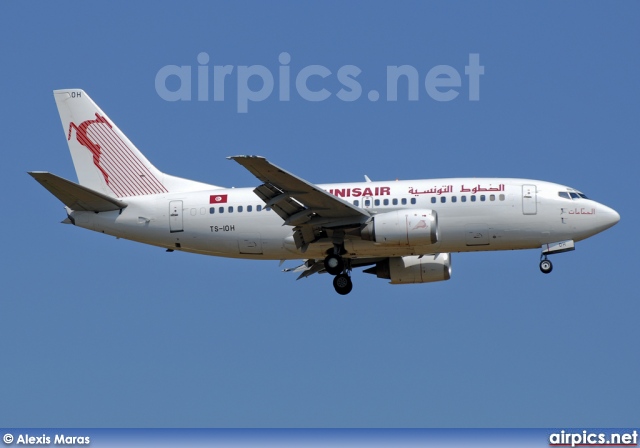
x=554 y=248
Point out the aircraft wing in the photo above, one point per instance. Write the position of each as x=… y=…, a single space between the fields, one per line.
x=301 y=204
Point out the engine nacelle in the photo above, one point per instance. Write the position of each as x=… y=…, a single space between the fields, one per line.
x=403 y=228
x=414 y=269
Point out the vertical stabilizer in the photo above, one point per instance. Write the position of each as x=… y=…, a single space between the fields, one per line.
x=104 y=158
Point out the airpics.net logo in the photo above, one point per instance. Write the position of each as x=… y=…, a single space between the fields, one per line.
x=313 y=83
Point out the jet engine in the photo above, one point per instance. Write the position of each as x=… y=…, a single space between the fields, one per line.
x=403 y=228
x=414 y=269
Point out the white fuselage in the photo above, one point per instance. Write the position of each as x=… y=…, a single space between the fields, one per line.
x=473 y=215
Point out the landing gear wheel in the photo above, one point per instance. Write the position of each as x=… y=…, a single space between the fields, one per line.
x=546 y=266
x=342 y=284
x=334 y=264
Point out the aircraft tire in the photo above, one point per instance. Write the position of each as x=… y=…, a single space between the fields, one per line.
x=334 y=264
x=546 y=266
x=342 y=284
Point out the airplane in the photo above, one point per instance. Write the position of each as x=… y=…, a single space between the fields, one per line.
x=403 y=231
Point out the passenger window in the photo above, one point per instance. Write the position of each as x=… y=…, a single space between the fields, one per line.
x=212 y=210
x=221 y=210
x=268 y=209
x=492 y=197
x=203 y=210
x=404 y=201
x=239 y=208
x=483 y=198
x=194 y=212
x=473 y=198
x=463 y=198
x=367 y=202
x=230 y=209
x=433 y=200
x=443 y=199
x=258 y=208
x=356 y=203
x=454 y=199
x=376 y=202
x=249 y=208
x=413 y=200
x=385 y=202
x=395 y=201
x=501 y=197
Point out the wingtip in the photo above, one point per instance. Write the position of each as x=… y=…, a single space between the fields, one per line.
x=246 y=156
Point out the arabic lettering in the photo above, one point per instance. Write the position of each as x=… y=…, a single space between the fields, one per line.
x=434 y=190
x=478 y=188
x=582 y=211
x=449 y=189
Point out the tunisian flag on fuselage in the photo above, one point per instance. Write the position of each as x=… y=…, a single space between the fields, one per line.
x=218 y=199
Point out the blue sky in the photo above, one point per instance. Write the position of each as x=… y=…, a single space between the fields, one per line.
x=99 y=332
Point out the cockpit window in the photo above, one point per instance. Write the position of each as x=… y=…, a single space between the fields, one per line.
x=571 y=195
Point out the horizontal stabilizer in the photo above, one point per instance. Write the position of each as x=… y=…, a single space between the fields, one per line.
x=75 y=196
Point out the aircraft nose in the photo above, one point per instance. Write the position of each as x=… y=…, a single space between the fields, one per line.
x=609 y=217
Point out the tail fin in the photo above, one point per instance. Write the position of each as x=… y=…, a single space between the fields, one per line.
x=104 y=158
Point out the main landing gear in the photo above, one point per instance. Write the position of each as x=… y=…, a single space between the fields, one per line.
x=334 y=264
x=342 y=284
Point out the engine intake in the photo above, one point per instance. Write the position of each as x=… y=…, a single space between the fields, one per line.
x=403 y=228
x=414 y=269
